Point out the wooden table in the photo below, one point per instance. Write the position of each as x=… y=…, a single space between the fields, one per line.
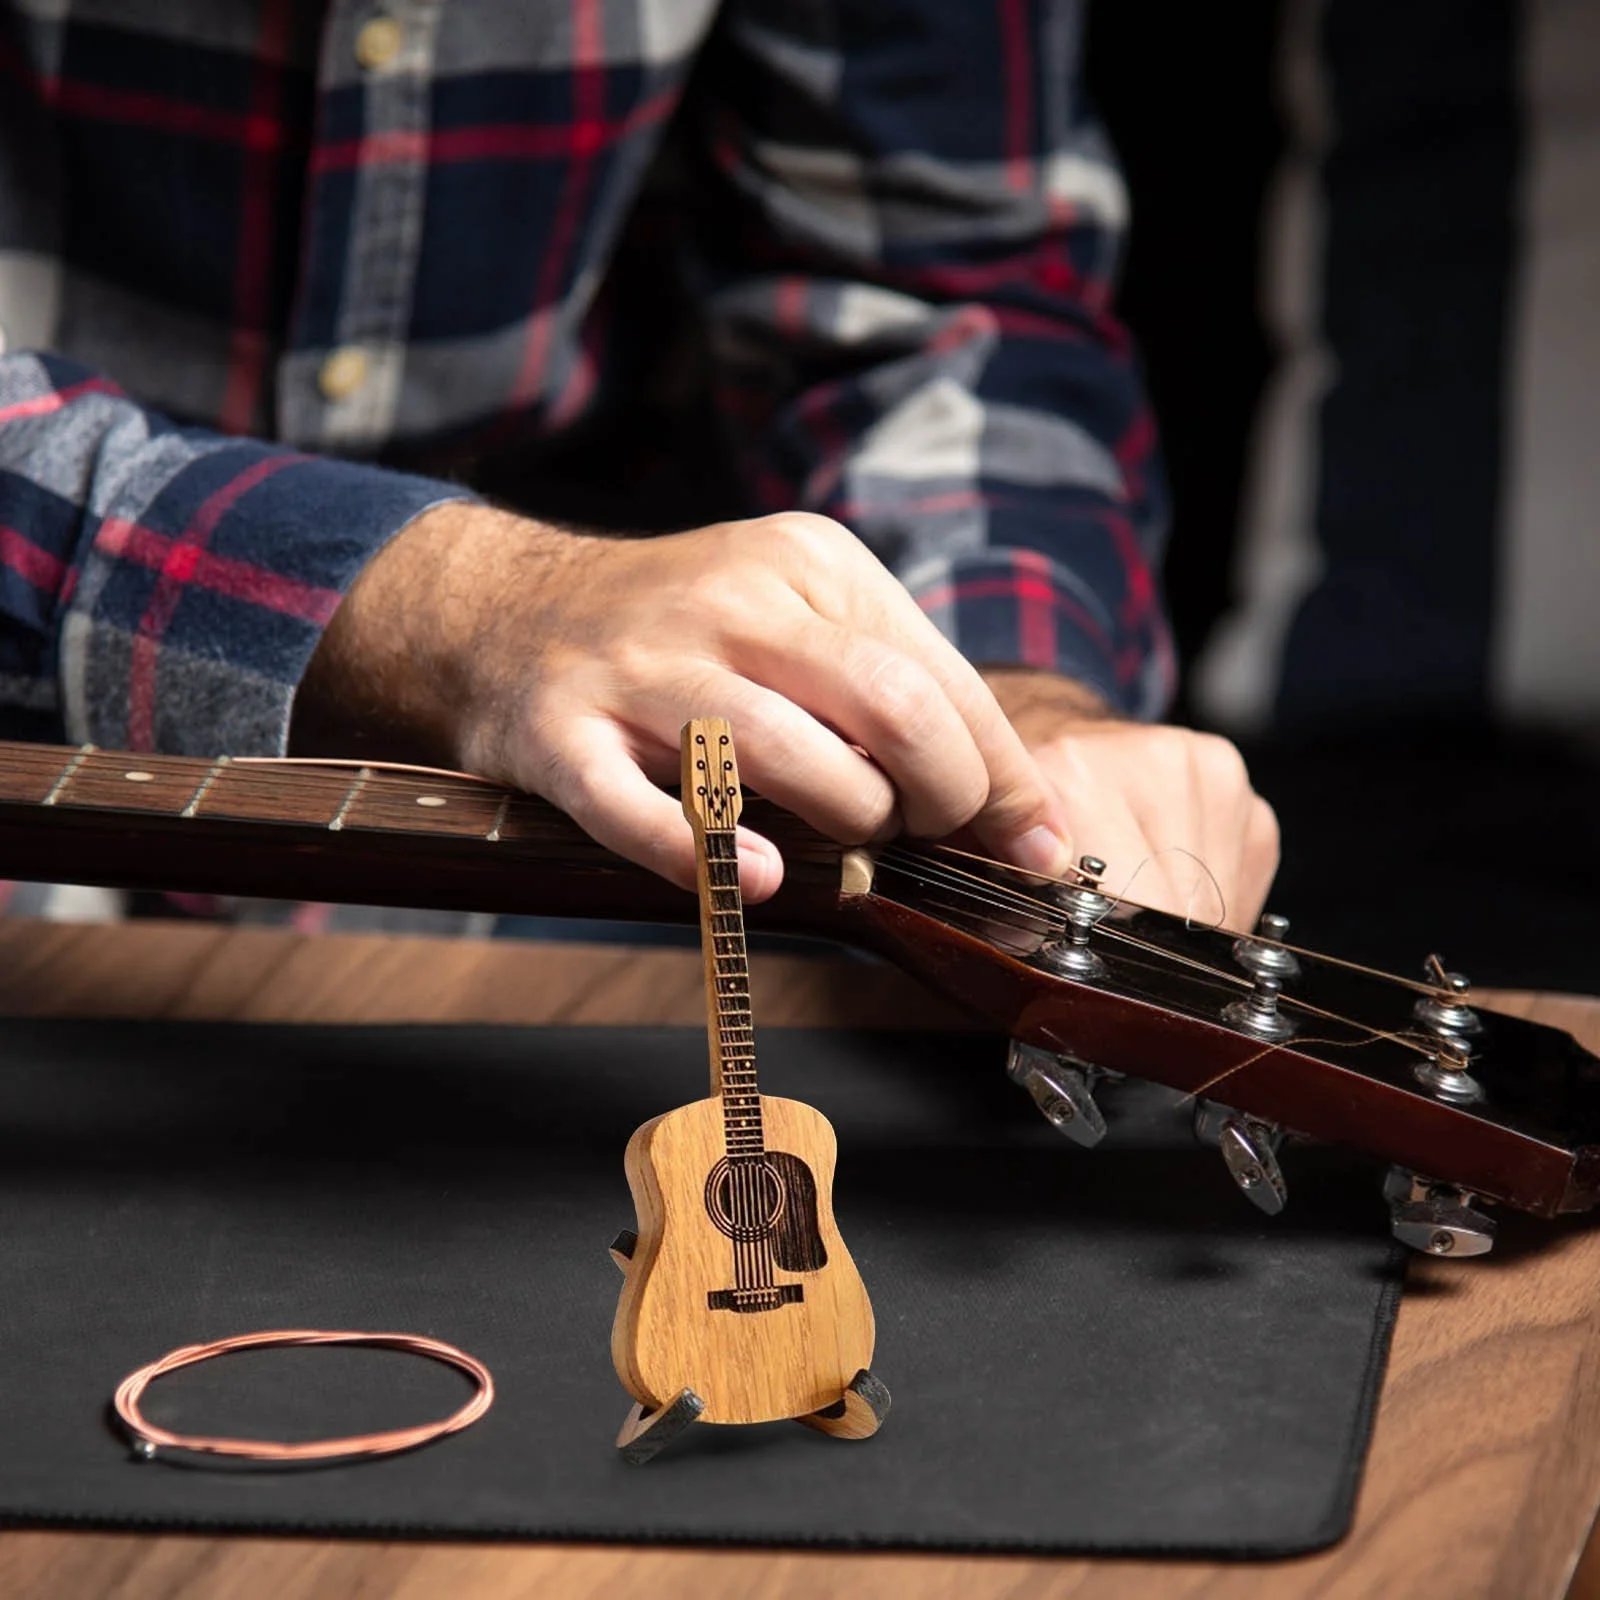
x=1484 y=1475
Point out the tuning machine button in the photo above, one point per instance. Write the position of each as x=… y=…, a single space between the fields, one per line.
x=1445 y=1012
x=1271 y=966
x=1436 y=1218
x=1446 y=1072
x=1249 y=1150
x=1062 y=1089
x=1085 y=903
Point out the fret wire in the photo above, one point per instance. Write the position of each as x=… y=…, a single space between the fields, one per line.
x=493 y=835
x=68 y=773
x=349 y=800
x=205 y=783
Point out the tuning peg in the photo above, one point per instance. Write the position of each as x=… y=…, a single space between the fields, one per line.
x=1435 y=1218
x=1062 y=1089
x=1085 y=903
x=1249 y=1149
x=1447 y=1072
x=1446 y=1012
x=1263 y=952
x=1271 y=966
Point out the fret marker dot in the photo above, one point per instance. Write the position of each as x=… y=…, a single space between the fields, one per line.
x=140 y=777
x=430 y=800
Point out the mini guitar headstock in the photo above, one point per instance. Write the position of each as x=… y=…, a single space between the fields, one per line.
x=1267 y=1040
x=711 y=798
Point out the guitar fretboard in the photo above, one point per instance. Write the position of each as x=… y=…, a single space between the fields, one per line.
x=336 y=796
x=728 y=964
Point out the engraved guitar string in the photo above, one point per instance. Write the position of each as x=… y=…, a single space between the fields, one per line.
x=745 y=1168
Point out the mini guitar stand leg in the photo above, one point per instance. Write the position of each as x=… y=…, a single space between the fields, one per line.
x=857 y=1414
x=645 y=1433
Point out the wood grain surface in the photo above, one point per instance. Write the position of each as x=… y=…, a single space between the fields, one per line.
x=1484 y=1474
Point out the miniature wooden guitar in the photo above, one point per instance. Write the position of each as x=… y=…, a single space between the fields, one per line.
x=739 y=1300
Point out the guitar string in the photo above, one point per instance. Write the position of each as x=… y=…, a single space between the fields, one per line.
x=1119 y=897
x=1410 y=1042
x=1298 y=1041
x=1126 y=936
x=379 y=786
x=131 y=1390
x=734 y=1168
x=1415 y=984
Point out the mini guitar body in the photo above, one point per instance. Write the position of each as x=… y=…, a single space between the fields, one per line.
x=740 y=1287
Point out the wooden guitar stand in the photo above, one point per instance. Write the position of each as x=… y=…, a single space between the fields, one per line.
x=646 y=1431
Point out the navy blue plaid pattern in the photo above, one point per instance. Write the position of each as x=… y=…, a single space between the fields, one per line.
x=277 y=275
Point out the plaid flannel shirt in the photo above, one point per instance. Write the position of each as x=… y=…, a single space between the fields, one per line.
x=276 y=276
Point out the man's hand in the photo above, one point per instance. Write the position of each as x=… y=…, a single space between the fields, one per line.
x=567 y=664
x=1149 y=800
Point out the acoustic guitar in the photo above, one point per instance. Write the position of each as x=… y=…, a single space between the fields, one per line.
x=1265 y=1039
x=739 y=1302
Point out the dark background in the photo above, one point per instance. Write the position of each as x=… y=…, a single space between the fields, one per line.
x=1419 y=826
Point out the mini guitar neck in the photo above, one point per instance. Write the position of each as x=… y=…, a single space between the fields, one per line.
x=740 y=1302
x=712 y=801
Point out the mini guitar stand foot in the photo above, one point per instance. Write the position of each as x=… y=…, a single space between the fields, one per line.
x=646 y=1433
x=857 y=1414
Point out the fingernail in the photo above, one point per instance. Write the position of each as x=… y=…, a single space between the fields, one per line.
x=1040 y=850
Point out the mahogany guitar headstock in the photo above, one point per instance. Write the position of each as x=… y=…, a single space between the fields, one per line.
x=1268 y=1041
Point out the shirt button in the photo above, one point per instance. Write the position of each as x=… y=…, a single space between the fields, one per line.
x=343 y=372
x=378 y=42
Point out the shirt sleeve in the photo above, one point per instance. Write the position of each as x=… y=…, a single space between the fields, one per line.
x=911 y=252
x=163 y=587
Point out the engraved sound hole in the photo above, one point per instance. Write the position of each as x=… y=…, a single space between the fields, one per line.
x=744 y=1199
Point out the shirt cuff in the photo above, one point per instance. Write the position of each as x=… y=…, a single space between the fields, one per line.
x=1017 y=607
x=199 y=606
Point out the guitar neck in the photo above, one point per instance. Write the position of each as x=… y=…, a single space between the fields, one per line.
x=729 y=1024
x=357 y=833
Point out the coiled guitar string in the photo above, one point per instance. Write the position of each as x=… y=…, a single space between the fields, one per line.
x=148 y=1438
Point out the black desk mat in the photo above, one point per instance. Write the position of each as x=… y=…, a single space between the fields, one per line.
x=1089 y=1350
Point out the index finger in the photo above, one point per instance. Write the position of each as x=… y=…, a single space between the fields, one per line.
x=1022 y=820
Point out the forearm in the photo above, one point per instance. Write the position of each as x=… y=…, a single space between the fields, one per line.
x=419 y=654
x=167 y=585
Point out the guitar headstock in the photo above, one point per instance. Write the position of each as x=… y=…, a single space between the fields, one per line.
x=711 y=798
x=1267 y=1041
